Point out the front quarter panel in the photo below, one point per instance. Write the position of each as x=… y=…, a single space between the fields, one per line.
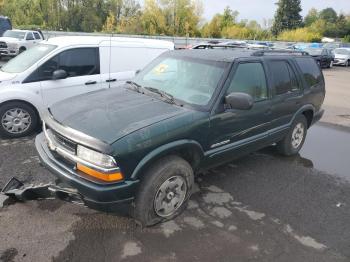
x=137 y=150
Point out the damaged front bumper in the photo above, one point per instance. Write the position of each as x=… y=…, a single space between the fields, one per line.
x=15 y=191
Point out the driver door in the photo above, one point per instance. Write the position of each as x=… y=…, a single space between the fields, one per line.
x=233 y=131
x=83 y=68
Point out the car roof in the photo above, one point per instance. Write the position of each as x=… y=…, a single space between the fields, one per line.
x=96 y=40
x=218 y=55
x=230 y=54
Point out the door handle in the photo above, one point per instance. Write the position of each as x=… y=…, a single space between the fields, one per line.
x=111 y=80
x=90 y=83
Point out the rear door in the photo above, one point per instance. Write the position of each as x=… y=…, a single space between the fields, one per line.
x=83 y=68
x=287 y=92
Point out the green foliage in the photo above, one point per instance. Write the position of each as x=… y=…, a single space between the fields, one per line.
x=329 y=15
x=346 y=39
x=287 y=16
x=172 y=17
x=300 y=35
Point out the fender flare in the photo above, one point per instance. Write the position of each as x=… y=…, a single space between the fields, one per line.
x=301 y=110
x=162 y=151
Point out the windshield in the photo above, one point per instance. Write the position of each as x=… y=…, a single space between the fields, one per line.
x=14 y=34
x=313 y=51
x=342 y=52
x=26 y=59
x=192 y=81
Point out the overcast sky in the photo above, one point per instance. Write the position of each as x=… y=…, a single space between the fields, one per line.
x=260 y=9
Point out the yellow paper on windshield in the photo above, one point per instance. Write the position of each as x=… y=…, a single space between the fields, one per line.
x=160 y=69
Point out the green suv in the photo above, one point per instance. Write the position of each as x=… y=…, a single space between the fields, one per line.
x=187 y=111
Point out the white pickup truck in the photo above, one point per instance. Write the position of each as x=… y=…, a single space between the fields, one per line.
x=14 y=42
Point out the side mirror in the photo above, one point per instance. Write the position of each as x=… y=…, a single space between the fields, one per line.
x=59 y=74
x=240 y=101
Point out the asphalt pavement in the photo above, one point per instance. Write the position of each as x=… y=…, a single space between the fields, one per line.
x=262 y=207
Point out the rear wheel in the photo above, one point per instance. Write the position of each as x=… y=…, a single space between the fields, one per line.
x=164 y=191
x=17 y=119
x=294 y=140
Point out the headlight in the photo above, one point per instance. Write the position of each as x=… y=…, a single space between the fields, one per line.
x=96 y=158
x=103 y=166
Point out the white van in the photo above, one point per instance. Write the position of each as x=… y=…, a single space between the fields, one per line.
x=63 y=67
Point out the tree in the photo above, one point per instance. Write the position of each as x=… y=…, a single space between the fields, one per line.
x=229 y=17
x=329 y=15
x=287 y=16
x=311 y=17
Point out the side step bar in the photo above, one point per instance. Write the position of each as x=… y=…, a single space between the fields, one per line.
x=16 y=191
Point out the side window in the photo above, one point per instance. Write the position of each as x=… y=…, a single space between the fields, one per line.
x=80 y=62
x=37 y=36
x=284 y=78
x=311 y=72
x=29 y=36
x=76 y=62
x=250 y=78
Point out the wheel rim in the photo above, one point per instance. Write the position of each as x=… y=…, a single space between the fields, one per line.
x=170 y=196
x=16 y=121
x=298 y=135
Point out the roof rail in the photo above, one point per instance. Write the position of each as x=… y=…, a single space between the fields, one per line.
x=276 y=52
x=212 y=46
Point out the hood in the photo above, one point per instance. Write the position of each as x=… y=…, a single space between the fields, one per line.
x=339 y=56
x=9 y=39
x=111 y=114
x=6 y=76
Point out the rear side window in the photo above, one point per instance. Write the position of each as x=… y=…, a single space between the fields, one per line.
x=311 y=72
x=37 y=36
x=284 y=78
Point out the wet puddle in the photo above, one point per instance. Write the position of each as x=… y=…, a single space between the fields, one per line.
x=328 y=149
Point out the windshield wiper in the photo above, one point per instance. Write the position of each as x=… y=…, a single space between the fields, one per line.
x=135 y=85
x=162 y=93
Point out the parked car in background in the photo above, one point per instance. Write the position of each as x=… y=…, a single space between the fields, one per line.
x=187 y=111
x=324 y=57
x=335 y=45
x=63 y=67
x=283 y=46
x=14 y=42
x=342 y=56
x=5 y=24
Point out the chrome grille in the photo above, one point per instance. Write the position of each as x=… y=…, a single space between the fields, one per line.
x=64 y=142
x=3 y=45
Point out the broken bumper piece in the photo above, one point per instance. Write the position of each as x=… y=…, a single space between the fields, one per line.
x=16 y=191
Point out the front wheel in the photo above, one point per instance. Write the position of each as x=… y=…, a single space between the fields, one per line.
x=330 y=64
x=164 y=191
x=17 y=119
x=347 y=63
x=294 y=140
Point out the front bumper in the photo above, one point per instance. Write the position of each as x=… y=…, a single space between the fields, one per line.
x=8 y=52
x=339 y=62
x=101 y=196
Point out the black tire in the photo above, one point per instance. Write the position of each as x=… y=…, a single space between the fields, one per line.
x=157 y=175
x=285 y=146
x=22 y=49
x=347 y=63
x=34 y=119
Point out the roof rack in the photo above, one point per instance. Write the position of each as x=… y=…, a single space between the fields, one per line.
x=276 y=52
x=212 y=46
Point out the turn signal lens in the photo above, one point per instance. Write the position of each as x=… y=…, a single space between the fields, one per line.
x=108 y=177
